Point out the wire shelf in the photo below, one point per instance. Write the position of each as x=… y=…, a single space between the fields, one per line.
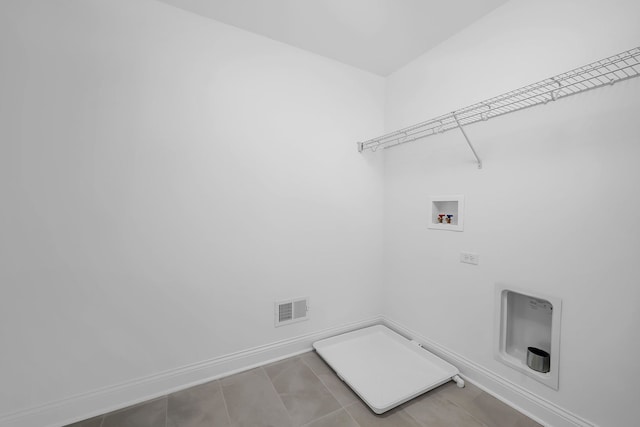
x=608 y=71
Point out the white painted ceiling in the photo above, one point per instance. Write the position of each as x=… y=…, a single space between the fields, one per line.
x=375 y=35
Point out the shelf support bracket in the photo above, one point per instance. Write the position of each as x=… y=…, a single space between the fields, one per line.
x=467 y=139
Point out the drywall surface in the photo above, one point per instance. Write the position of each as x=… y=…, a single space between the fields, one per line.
x=553 y=210
x=164 y=179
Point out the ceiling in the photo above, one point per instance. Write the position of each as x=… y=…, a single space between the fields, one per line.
x=379 y=36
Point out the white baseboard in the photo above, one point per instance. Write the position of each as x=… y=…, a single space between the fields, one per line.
x=97 y=402
x=535 y=407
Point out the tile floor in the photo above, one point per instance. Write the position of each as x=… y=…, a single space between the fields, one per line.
x=304 y=392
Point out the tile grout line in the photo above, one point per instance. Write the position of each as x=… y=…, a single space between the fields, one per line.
x=467 y=412
x=320 y=379
x=461 y=407
x=320 y=382
x=331 y=371
x=278 y=363
x=413 y=418
x=166 y=411
x=309 y=366
x=482 y=423
x=342 y=407
x=286 y=410
x=322 y=416
x=323 y=383
x=351 y=416
x=224 y=400
x=402 y=407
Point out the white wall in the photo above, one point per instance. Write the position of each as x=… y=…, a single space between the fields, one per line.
x=164 y=179
x=554 y=210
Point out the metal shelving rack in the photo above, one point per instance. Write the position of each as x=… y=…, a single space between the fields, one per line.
x=608 y=71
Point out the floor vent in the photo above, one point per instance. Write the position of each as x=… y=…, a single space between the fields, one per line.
x=291 y=311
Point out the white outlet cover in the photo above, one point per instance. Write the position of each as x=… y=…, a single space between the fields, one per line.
x=469 y=258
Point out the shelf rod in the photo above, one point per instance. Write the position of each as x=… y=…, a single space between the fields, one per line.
x=468 y=141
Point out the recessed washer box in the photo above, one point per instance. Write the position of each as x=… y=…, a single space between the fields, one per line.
x=527 y=319
x=447 y=208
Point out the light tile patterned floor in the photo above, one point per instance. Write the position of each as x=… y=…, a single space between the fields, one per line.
x=304 y=392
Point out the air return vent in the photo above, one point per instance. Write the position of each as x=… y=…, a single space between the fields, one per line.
x=291 y=311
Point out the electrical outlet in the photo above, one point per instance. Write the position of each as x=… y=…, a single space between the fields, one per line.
x=469 y=258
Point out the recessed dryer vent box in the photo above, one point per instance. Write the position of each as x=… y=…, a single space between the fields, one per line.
x=447 y=212
x=527 y=319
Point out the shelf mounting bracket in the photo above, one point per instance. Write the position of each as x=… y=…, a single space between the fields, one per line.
x=453 y=114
